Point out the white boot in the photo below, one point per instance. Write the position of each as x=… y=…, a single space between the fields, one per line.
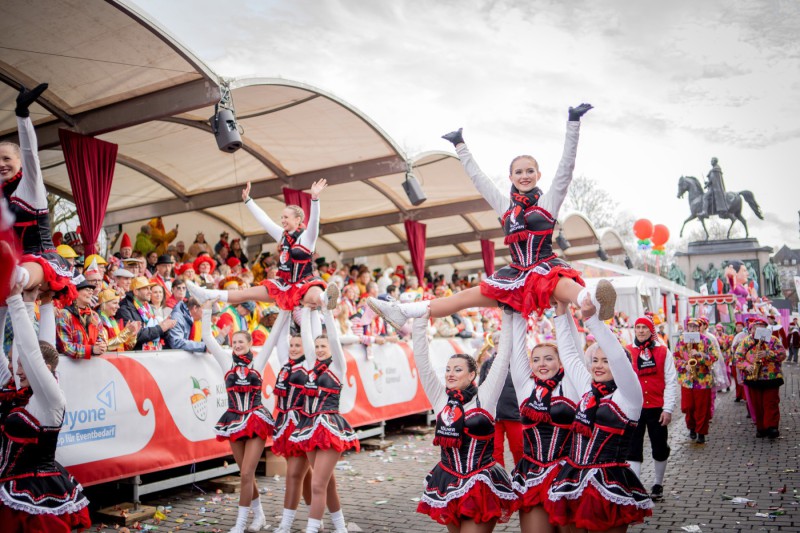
x=202 y=295
x=330 y=298
x=259 y=519
x=23 y=276
x=397 y=314
x=286 y=521
x=241 y=520
x=604 y=297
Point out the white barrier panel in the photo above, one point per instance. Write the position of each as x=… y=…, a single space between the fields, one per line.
x=139 y=412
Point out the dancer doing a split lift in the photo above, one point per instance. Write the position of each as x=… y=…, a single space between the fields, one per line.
x=296 y=283
x=322 y=432
x=37 y=495
x=468 y=491
x=536 y=277
x=289 y=396
x=596 y=489
x=548 y=401
x=247 y=423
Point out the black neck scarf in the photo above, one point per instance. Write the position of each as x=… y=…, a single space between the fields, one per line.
x=646 y=362
x=450 y=421
x=320 y=367
x=243 y=360
x=282 y=383
x=537 y=407
x=587 y=410
x=520 y=202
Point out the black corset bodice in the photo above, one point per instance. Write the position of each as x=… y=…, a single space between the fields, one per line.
x=26 y=447
x=326 y=399
x=475 y=452
x=610 y=440
x=32 y=227
x=295 y=384
x=294 y=260
x=244 y=389
x=531 y=242
x=550 y=441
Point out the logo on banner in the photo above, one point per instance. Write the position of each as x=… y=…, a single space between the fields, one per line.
x=199 y=398
x=87 y=425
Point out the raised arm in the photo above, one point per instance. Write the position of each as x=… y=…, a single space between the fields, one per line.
x=224 y=360
x=520 y=364
x=278 y=329
x=48 y=401
x=274 y=230
x=577 y=380
x=496 y=197
x=555 y=195
x=307 y=334
x=282 y=341
x=338 y=362
x=489 y=391
x=308 y=239
x=434 y=388
x=628 y=395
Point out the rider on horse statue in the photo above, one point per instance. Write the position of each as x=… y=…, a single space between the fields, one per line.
x=715 y=203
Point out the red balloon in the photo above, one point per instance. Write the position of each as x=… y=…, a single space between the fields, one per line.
x=660 y=235
x=643 y=229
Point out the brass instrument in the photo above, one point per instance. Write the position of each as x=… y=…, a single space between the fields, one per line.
x=755 y=370
x=487 y=345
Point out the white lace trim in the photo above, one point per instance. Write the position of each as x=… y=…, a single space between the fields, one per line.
x=613 y=498
x=517 y=283
x=464 y=489
x=243 y=424
x=67 y=507
x=323 y=420
x=289 y=418
x=531 y=482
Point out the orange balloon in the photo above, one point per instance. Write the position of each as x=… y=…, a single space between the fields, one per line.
x=643 y=229
x=660 y=235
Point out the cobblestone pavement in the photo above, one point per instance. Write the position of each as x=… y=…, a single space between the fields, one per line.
x=379 y=490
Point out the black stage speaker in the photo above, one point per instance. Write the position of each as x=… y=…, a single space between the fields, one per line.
x=226 y=131
x=414 y=190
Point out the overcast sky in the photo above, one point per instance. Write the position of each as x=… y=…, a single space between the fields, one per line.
x=673 y=83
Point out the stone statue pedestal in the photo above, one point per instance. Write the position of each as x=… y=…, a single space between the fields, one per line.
x=701 y=253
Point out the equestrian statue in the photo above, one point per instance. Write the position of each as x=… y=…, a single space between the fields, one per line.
x=716 y=201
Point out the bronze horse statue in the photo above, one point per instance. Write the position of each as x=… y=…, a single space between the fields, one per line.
x=692 y=185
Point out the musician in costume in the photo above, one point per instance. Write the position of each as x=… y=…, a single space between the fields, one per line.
x=295 y=283
x=655 y=368
x=548 y=400
x=760 y=364
x=596 y=489
x=536 y=277
x=694 y=362
x=467 y=490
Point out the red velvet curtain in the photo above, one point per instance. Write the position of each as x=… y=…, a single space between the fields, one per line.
x=90 y=165
x=415 y=234
x=487 y=251
x=295 y=197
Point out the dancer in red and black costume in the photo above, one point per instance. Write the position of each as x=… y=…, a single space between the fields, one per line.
x=536 y=277
x=596 y=489
x=467 y=490
x=323 y=433
x=289 y=396
x=247 y=423
x=37 y=495
x=548 y=401
x=295 y=284
x=23 y=188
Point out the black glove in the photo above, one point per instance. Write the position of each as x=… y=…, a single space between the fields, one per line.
x=26 y=98
x=454 y=137
x=575 y=113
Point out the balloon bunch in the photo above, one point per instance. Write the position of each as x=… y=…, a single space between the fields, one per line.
x=651 y=237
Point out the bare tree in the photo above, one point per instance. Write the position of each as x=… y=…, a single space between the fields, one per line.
x=586 y=196
x=717 y=230
x=61 y=212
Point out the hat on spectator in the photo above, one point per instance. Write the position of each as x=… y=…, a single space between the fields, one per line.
x=229 y=282
x=66 y=251
x=141 y=282
x=122 y=273
x=126 y=242
x=71 y=238
x=249 y=305
x=739 y=322
x=91 y=266
x=182 y=268
x=57 y=238
x=232 y=262
x=204 y=259
x=271 y=310
x=756 y=320
x=108 y=295
x=84 y=284
x=695 y=321
x=165 y=259
x=94 y=257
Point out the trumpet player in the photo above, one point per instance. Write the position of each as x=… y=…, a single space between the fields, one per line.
x=758 y=358
x=694 y=359
x=80 y=333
